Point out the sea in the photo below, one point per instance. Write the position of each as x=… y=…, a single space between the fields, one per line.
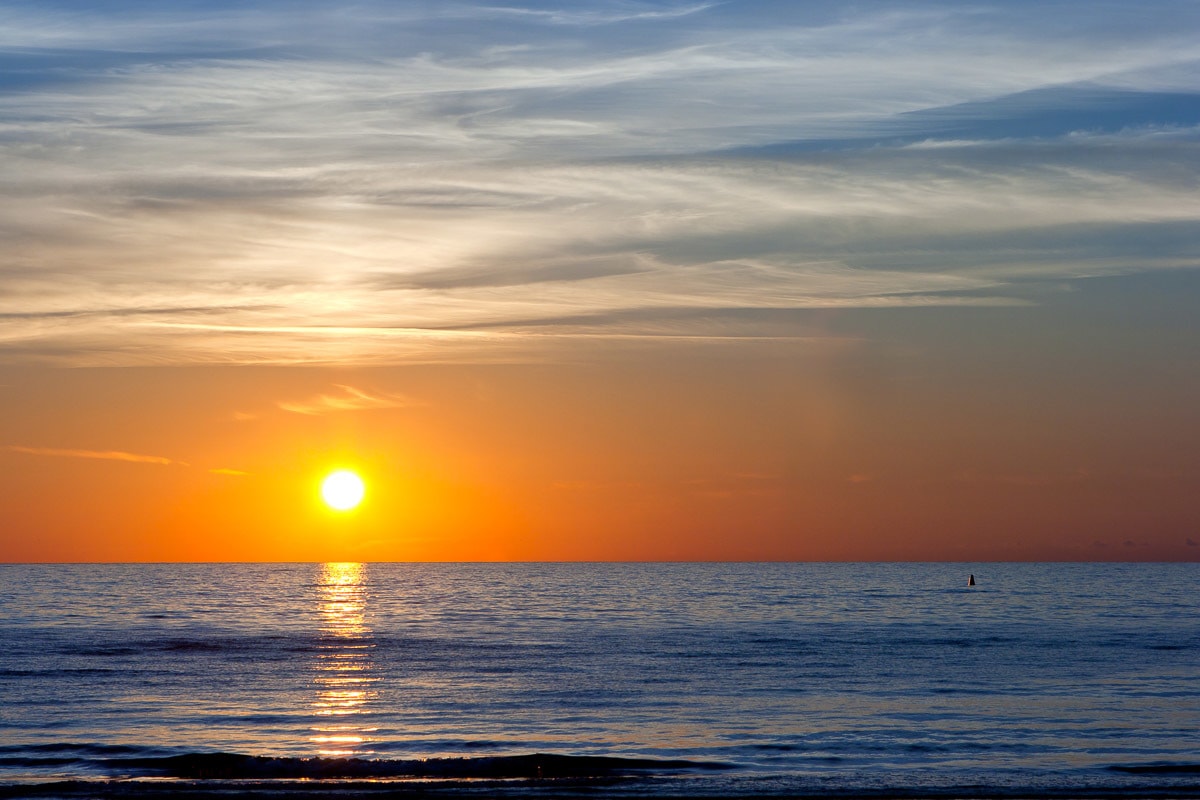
x=712 y=680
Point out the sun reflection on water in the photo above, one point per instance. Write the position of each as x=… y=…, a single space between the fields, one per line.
x=344 y=669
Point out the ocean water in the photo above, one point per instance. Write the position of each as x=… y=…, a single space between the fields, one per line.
x=618 y=679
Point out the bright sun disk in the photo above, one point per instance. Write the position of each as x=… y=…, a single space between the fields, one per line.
x=342 y=490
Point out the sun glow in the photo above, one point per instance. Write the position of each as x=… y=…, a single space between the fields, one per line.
x=342 y=490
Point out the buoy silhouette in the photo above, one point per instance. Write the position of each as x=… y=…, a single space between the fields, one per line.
x=971 y=580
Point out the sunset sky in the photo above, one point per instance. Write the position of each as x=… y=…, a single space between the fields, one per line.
x=600 y=280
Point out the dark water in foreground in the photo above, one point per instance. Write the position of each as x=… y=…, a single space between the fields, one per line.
x=638 y=679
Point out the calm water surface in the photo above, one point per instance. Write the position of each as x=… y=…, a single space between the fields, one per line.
x=796 y=678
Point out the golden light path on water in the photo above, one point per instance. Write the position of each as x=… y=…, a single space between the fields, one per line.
x=344 y=668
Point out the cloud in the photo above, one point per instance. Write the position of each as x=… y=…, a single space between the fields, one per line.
x=623 y=12
x=567 y=241
x=107 y=455
x=112 y=455
x=452 y=181
x=351 y=399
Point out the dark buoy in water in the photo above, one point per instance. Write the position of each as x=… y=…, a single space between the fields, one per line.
x=971 y=580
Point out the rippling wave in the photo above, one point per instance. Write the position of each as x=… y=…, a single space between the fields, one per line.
x=723 y=680
x=115 y=761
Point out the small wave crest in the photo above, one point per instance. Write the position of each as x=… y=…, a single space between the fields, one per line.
x=1158 y=768
x=537 y=765
x=81 y=749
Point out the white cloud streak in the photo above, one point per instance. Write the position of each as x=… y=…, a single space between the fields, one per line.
x=103 y=455
x=111 y=455
x=626 y=12
x=348 y=399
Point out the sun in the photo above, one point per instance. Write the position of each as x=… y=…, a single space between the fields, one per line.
x=342 y=490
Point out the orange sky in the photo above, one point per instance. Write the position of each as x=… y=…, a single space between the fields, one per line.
x=841 y=448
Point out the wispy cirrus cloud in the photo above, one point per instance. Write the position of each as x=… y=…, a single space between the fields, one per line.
x=105 y=455
x=350 y=399
x=237 y=473
x=616 y=13
x=387 y=184
x=112 y=455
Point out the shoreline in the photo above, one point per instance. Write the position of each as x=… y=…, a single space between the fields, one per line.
x=555 y=788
